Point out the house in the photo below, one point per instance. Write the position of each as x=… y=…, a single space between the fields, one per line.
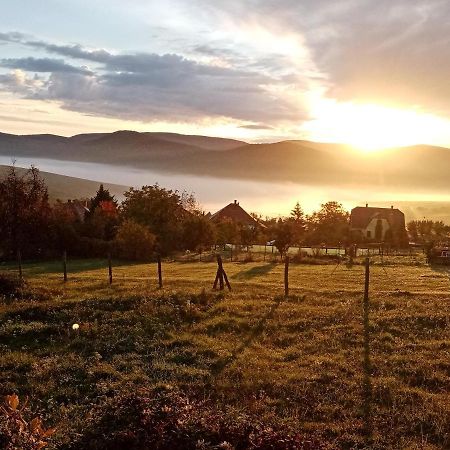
x=377 y=224
x=234 y=213
x=78 y=208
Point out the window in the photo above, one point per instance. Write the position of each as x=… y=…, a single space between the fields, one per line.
x=369 y=233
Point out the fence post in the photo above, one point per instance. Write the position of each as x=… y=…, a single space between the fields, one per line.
x=221 y=276
x=19 y=264
x=366 y=284
x=65 y=265
x=367 y=387
x=110 y=268
x=220 y=271
x=231 y=253
x=286 y=275
x=160 y=280
x=265 y=250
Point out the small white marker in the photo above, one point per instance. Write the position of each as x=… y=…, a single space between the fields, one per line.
x=75 y=326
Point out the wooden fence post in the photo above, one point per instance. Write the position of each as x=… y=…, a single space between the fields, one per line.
x=366 y=284
x=160 y=280
x=19 y=264
x=110 y=268
x=65 y=265
x=231 y=253
x=286 y=275
x=367 y=383
x=221 y=276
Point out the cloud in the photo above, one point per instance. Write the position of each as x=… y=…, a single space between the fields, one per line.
x=31 y=64
x=256 y=126
x=149 y=86
x=20 y=83
x=384 y=51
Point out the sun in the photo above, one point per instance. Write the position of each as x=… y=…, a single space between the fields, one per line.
x=370 y=127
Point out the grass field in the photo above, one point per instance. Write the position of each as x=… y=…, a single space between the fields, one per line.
x=299 y=362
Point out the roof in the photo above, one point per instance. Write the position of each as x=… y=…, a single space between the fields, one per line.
x=361 y=216
x=236 y=213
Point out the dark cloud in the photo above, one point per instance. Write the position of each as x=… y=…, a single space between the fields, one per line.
x=256 y=126
x=12 y=36
x=147 y=86
x=31 y=64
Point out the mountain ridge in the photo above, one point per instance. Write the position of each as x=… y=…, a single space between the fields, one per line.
x=298 y=161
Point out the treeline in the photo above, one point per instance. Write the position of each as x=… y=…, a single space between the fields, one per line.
x=149 y=220
x=427 y=232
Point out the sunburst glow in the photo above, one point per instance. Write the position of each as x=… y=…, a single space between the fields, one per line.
x=373 y=127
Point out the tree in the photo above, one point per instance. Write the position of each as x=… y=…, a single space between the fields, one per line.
x=102 y=218
x=329 y=225
x=283 y=233
x=248 y=235
x=134 y=241
x=24 y=213
x=227 y=232
x=299 y=221
x=424 y=231
x=198 y=233
x=103 y=196
x=63 y=227
x=160 y=210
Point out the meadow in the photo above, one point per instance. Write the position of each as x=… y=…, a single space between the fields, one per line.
x=248 y=368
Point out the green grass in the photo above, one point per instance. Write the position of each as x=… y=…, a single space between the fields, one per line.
x=297 y=361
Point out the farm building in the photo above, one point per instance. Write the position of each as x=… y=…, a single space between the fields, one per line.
x=377 y=224
x=235 y=213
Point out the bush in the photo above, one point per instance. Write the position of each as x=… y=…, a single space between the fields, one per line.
x=93 y=247
x=19 y=432
x=134 y=241
x=163 y=418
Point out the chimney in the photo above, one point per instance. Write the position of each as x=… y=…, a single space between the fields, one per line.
x=367 y=205
x=392 y=206
x=235 y=202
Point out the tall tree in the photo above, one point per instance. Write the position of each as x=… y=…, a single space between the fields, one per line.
x=299 y=221
x=329 y=225
x=198 y=232
x=102 y=196
x=24 y=212
x=159 y=209
x=102 y=218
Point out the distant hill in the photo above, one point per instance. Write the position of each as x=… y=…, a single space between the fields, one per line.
x=64 y=188
x=303 y=162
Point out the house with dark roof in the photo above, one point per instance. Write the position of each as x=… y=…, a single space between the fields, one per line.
x=377 y=224
x=78 y=208
x=235 y=213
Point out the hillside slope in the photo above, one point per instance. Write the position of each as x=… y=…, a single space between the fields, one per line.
x=64 y=188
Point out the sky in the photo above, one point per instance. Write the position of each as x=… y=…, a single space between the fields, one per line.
x=371 y=73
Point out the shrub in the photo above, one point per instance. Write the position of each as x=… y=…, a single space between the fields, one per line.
x=163 y=418
x=17 y=431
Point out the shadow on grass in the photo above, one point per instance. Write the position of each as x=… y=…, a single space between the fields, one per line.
x=73 y=266
x=253 y=272
x=220 y=365
x=441 y=268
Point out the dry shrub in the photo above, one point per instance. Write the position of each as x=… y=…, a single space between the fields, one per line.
x=19 y=432
x=165 y=418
